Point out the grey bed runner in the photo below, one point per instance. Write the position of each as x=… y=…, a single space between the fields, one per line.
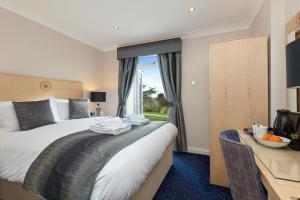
x=67 y=168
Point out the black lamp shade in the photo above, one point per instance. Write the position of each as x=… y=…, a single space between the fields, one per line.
x=293 y=64
x=98 y=96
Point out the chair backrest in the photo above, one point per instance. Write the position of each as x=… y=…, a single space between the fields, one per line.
x=243 y=173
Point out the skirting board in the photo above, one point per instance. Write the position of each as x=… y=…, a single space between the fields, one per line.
x=198 y=151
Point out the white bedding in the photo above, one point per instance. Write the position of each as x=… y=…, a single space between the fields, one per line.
x=120 y=178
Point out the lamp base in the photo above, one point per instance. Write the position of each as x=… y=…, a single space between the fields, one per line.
x=98 y=110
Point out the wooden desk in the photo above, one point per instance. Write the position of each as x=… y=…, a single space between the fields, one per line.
x=278 y=189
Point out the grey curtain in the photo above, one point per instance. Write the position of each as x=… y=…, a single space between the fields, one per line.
x=170 y=69
x=127 y=68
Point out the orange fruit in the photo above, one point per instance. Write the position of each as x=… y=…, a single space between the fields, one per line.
x=274 y=138
x=266 y=136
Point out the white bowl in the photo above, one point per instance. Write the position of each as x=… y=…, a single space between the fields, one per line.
x=273 y=144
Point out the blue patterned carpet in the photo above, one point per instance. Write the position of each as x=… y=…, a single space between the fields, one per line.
x=188 y=179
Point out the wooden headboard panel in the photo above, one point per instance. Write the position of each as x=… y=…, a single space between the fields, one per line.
x=22 y=88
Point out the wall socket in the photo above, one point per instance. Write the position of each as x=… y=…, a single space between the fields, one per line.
x=194 y=83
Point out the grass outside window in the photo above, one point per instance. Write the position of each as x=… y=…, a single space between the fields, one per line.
x=156 y=116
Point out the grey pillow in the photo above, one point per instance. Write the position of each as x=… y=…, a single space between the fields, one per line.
x=33 y=114
x=78 y=109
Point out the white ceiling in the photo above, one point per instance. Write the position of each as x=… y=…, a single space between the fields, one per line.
x=92 y=21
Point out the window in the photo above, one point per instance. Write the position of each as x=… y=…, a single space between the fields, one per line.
x=147 y=94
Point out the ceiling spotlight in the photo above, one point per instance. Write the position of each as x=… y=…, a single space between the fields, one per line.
x=192 y=9
x=116 y=27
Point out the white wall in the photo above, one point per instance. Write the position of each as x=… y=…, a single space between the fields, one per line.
x=109 y=81
x=262 y=23
x=292 y=7
x=195 y=66
x=31 y=49
x=277 y=68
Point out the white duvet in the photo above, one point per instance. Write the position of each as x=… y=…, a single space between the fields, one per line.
x=120 y=178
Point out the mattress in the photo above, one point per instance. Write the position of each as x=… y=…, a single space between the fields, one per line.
x=120 y=178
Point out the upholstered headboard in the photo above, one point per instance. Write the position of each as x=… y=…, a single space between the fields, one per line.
x=21 y=88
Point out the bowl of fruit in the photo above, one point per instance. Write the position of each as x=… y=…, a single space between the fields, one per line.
x=273 y=141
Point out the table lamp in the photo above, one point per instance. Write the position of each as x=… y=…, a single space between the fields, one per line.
x=98 y=97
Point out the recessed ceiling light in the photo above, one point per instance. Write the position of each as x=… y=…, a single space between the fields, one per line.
x=192 y=9
x=116 y=27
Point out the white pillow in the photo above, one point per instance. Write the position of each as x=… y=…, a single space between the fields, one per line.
x=8 y=117
x=53 y=105
x=63 y=108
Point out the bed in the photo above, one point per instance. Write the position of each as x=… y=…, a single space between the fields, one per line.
x=130 y=174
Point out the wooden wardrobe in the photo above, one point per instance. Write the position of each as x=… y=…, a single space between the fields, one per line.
x=238 y=93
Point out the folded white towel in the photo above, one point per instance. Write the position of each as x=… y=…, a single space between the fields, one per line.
x=109 y=129
x=136 y=122
x=109 y=125
x=108 y=119
x=135 y=117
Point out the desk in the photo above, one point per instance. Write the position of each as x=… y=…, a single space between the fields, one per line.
x=278 y=189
